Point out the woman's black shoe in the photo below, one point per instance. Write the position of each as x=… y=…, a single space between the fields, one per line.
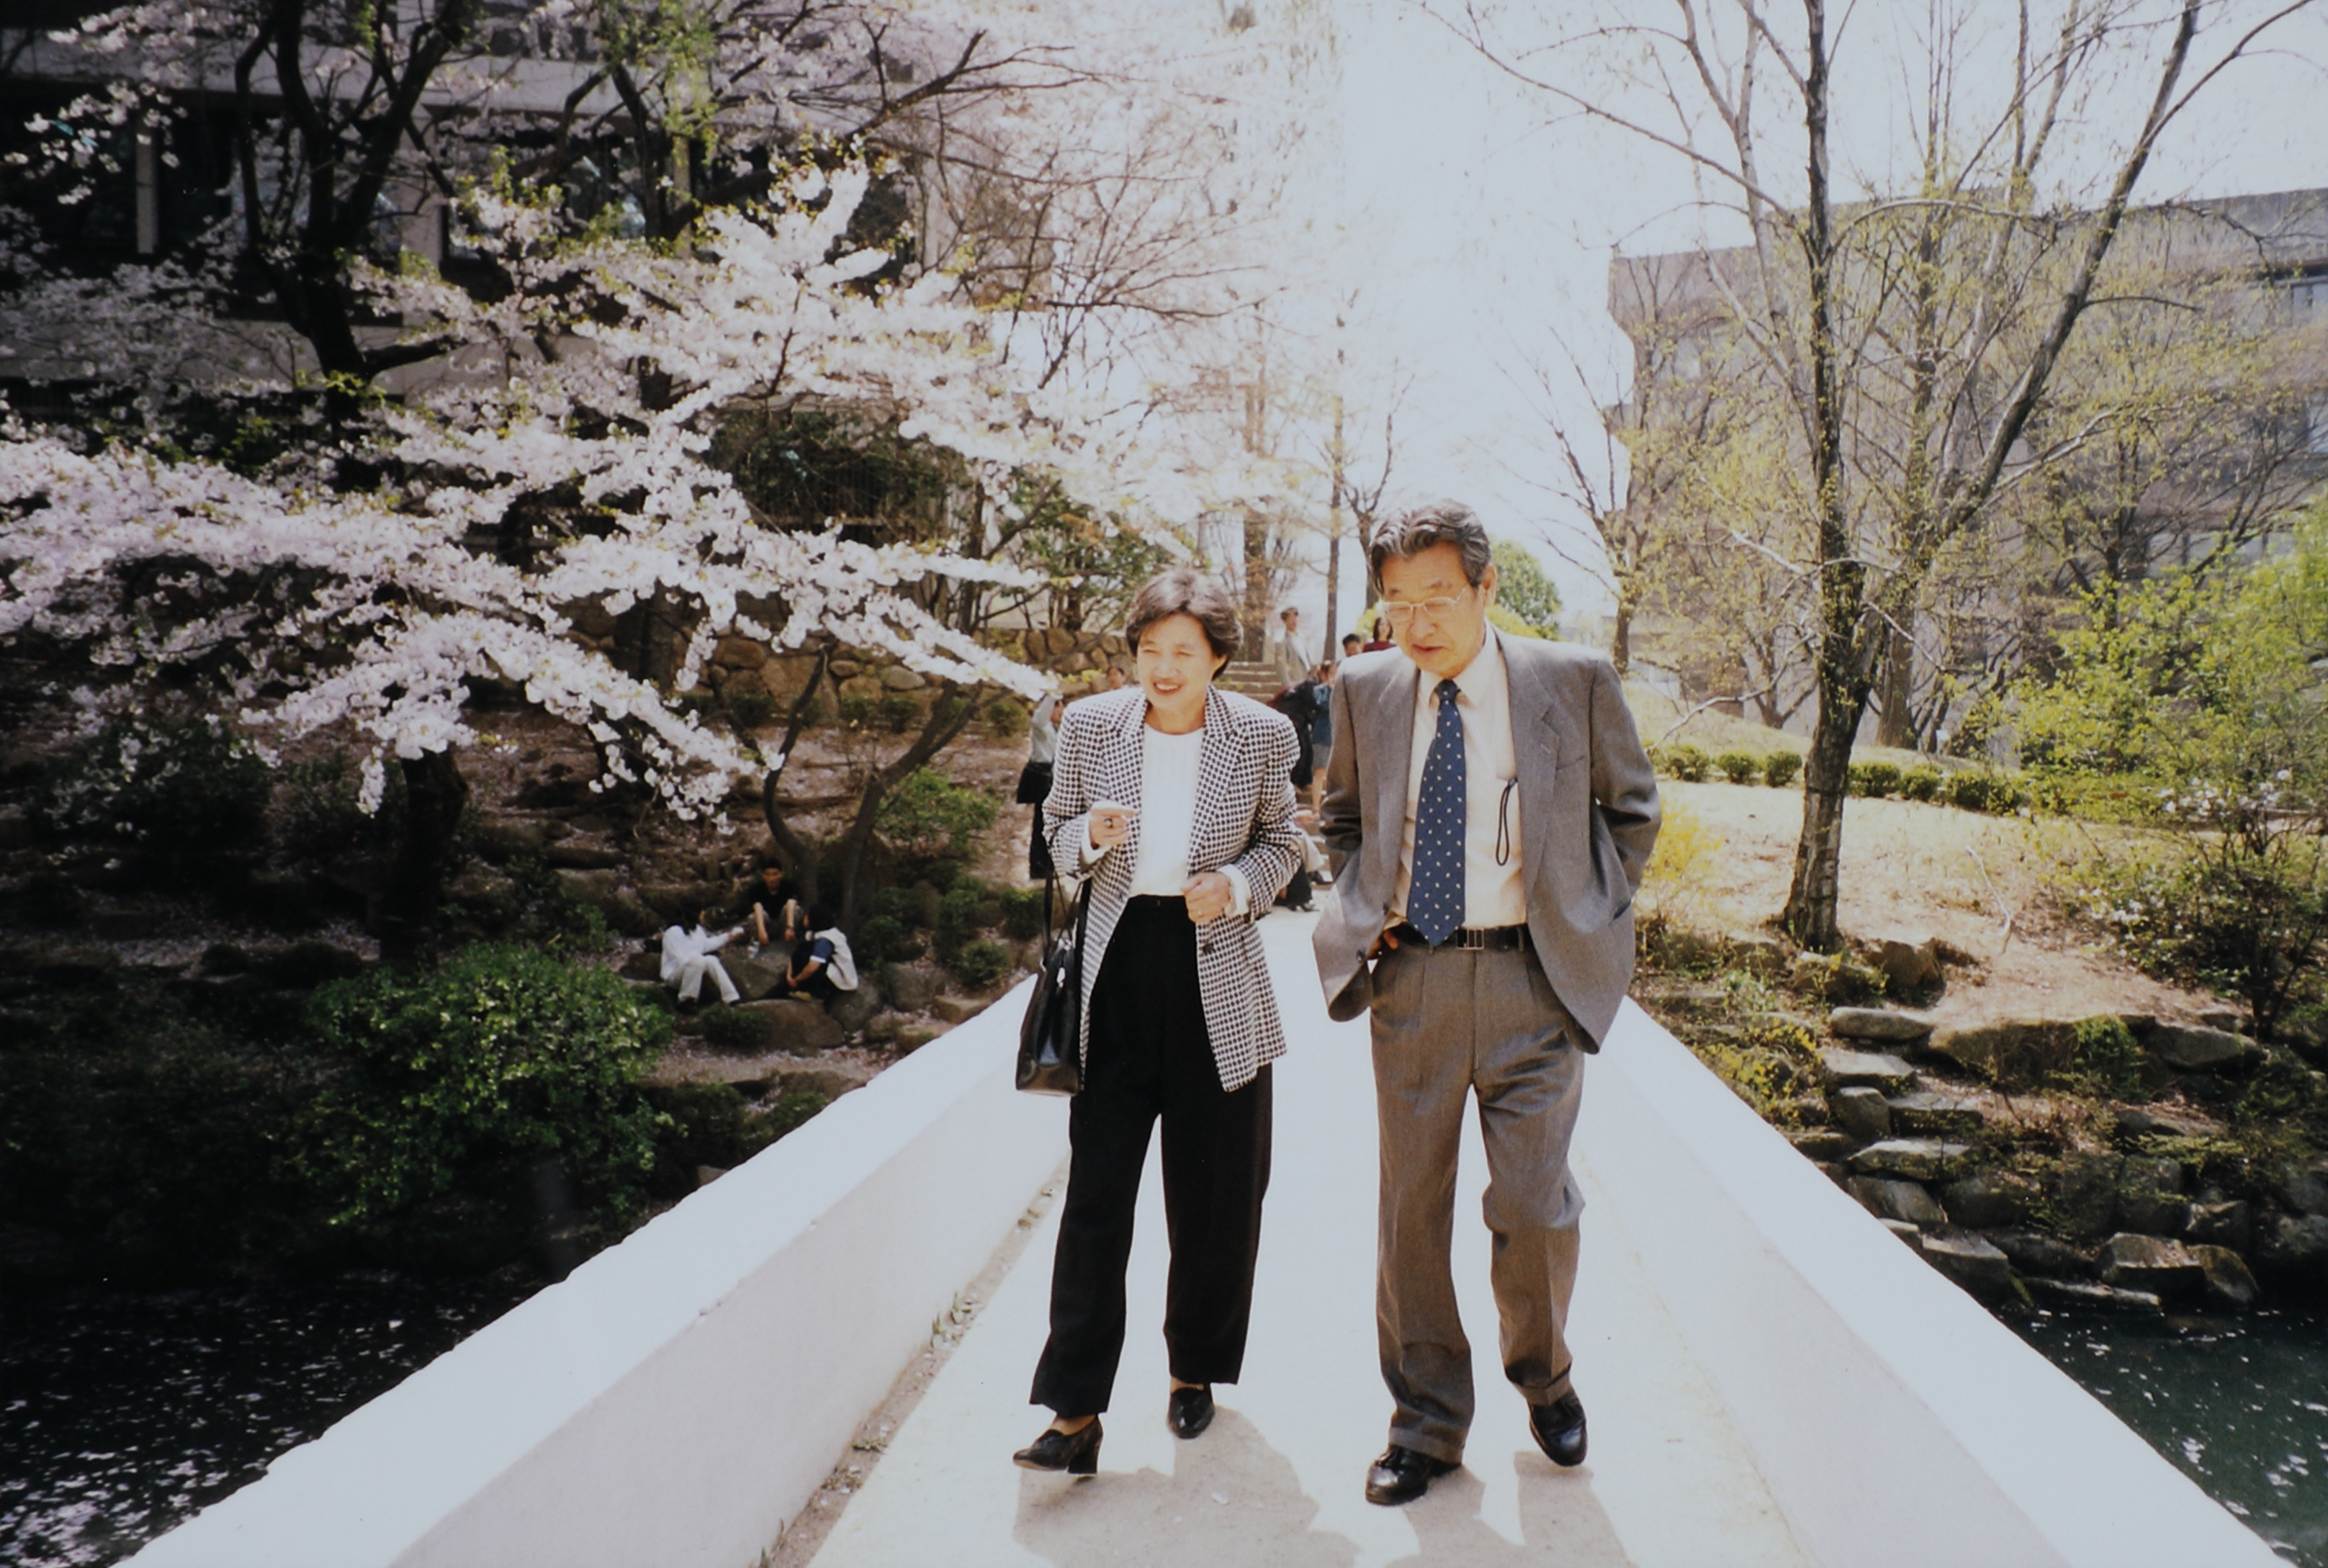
x=1190 y=1410
x=1076 y=1453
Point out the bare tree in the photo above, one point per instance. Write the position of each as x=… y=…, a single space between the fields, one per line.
x=1911 y=334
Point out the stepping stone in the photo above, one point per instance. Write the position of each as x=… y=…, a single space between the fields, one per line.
x=2085 y=1293
x=1911 y=1158
x=2033 y=1253
x=1972 y=1263
x=2165 y=1269
x=2228 y=1282
x=1876 y=1023
x=1908 y=1201
x=1926 y=1112
x=1845 y=1069
x=1861 y=1113
x=1823 y=1143
x=2018 y=1053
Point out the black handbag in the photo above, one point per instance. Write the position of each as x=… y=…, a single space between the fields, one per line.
x=1050 y=1041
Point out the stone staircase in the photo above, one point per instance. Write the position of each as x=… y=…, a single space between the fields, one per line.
x=1253 y=679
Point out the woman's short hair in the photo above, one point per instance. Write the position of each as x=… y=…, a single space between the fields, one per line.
x=1183 y=592
x=1409 y=533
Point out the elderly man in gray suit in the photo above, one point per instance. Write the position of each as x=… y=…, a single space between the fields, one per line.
x=1489 y=812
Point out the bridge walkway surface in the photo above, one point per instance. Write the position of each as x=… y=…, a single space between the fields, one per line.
x=1277 y=1480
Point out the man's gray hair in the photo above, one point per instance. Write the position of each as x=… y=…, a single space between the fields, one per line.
x=1411 y=533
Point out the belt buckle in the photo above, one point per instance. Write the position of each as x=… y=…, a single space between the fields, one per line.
x=1471 y=938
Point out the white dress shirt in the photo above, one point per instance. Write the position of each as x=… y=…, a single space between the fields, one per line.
x=1493 y=894
x=1169 y=765
x=680 y=943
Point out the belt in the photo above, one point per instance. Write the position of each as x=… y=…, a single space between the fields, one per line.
x=1471 y=938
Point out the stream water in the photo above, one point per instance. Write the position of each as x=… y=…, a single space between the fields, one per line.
x=123 y=1413
x=2238 y=1404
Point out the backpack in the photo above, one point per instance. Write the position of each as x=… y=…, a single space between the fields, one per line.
x=843 y=967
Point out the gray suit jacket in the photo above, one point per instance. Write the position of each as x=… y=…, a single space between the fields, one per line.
x=1244 y=818
x=1589 y=816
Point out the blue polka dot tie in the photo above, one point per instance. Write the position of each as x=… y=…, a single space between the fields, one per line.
x=1434 y=899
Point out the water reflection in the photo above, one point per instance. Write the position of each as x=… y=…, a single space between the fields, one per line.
x=2239 y=1403
x=123 y=1413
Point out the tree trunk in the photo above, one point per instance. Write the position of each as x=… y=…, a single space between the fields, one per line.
x=1895 y=719
x=1256 y=583
x=435 y=794
x=1811 y=915
x=1333 y=594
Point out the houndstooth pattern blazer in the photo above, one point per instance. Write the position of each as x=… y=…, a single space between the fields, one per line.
x=1244 y=818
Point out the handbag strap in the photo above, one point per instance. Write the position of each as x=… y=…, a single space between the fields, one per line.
x=1051 y=903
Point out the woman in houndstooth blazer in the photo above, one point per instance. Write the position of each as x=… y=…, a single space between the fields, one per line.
x=1174 y=799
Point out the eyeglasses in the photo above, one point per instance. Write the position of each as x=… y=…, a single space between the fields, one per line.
x=1399 y=615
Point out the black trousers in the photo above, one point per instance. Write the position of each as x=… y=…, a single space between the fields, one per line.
x=1150 y=1057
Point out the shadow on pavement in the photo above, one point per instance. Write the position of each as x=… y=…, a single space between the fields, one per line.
x=1561 y=1521
x=1231 y=1499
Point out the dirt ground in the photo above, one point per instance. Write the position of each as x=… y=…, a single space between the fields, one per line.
x=1983 y=884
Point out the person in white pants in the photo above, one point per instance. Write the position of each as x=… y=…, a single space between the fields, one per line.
x=687 y=959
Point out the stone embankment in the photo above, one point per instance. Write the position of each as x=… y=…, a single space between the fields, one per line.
x=2113 y=1161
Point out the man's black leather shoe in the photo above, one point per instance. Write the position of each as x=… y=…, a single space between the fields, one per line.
x=1402 y=1475
x=1190 y=1411
x=1558 y=1429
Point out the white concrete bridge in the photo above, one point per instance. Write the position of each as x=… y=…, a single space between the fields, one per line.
x=1772 y=1379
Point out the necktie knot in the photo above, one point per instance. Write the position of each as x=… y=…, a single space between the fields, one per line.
x=1448 y=692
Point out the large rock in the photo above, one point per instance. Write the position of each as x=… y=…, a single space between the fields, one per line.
x=2228 y=1282
x=1887 y=1025
x=679 y=903
x=739 y=654
x=643 y=964
x=1910 y=965
x=1988 y=1199
x=2018 y=1053
x=2033 y=1253
x=754 y=978
x=801 y=1027
x=2192 y=1049
x=2083 y=1195
x=955 y=1010
x=1926 y=1113
x=2166 y=1268
x=853 y=1009
x=2222 y=1221
x=1972 y=1263
x=572 y=855
x=2174 y=1121
x=1911 y=1158
x=603 y=890
x=911 y=987
x=2294 y=1249
x=1765 y=957
x=2304 y=1187
x=2087 y=1293
x=2150 y=1197
x=1843 y=1069
x=1909 y=1202
x=1821 y=1145
x=897 y=678
x=1861 y=1113
x=1834 y=978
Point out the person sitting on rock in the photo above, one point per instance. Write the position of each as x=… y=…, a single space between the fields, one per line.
x=686 y=958
x=820 y=966
x=764 y=898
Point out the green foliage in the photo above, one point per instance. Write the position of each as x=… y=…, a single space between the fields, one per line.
x=1094 y=561
x=1981 y=790
x=980 y=965
x=790 y=1112
x=1921 y=782
x=1683 y=761
x=1022 y=912
x=500 y=1055
x=961 y=912
x=1739 y=767
x=728 y=1029
x=884 y=939
x=2108 y=1057
x=182 y=790
x=749 y=709
x=897 y=712
x=322 y=814
x=1523 y=588
x=2248 y=921
x=928 y=816
x=856 y=712
x=1781 y=768
x=1874 y=779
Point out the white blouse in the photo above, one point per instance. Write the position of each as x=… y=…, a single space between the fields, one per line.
x=1169 y=770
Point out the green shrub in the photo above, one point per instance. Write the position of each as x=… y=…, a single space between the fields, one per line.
x=1685 y=761
x=2108 y=1055
x=1982 y=790
x=1781 y=768
x=884 y=939
x=856 y=712
x=2232 y=917
x=898 y=713
x=788 y=1113
x=1874 y=779
x=982 y=965
x=180 y=790
x=749 y=709
x=930 y=817
x=729 y=1028
x=897 y=904
x=1922 y=781
x=322 y=816
x=959 y=916
x=1739 y=767
x=1022 y=912
x=501 y=1055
